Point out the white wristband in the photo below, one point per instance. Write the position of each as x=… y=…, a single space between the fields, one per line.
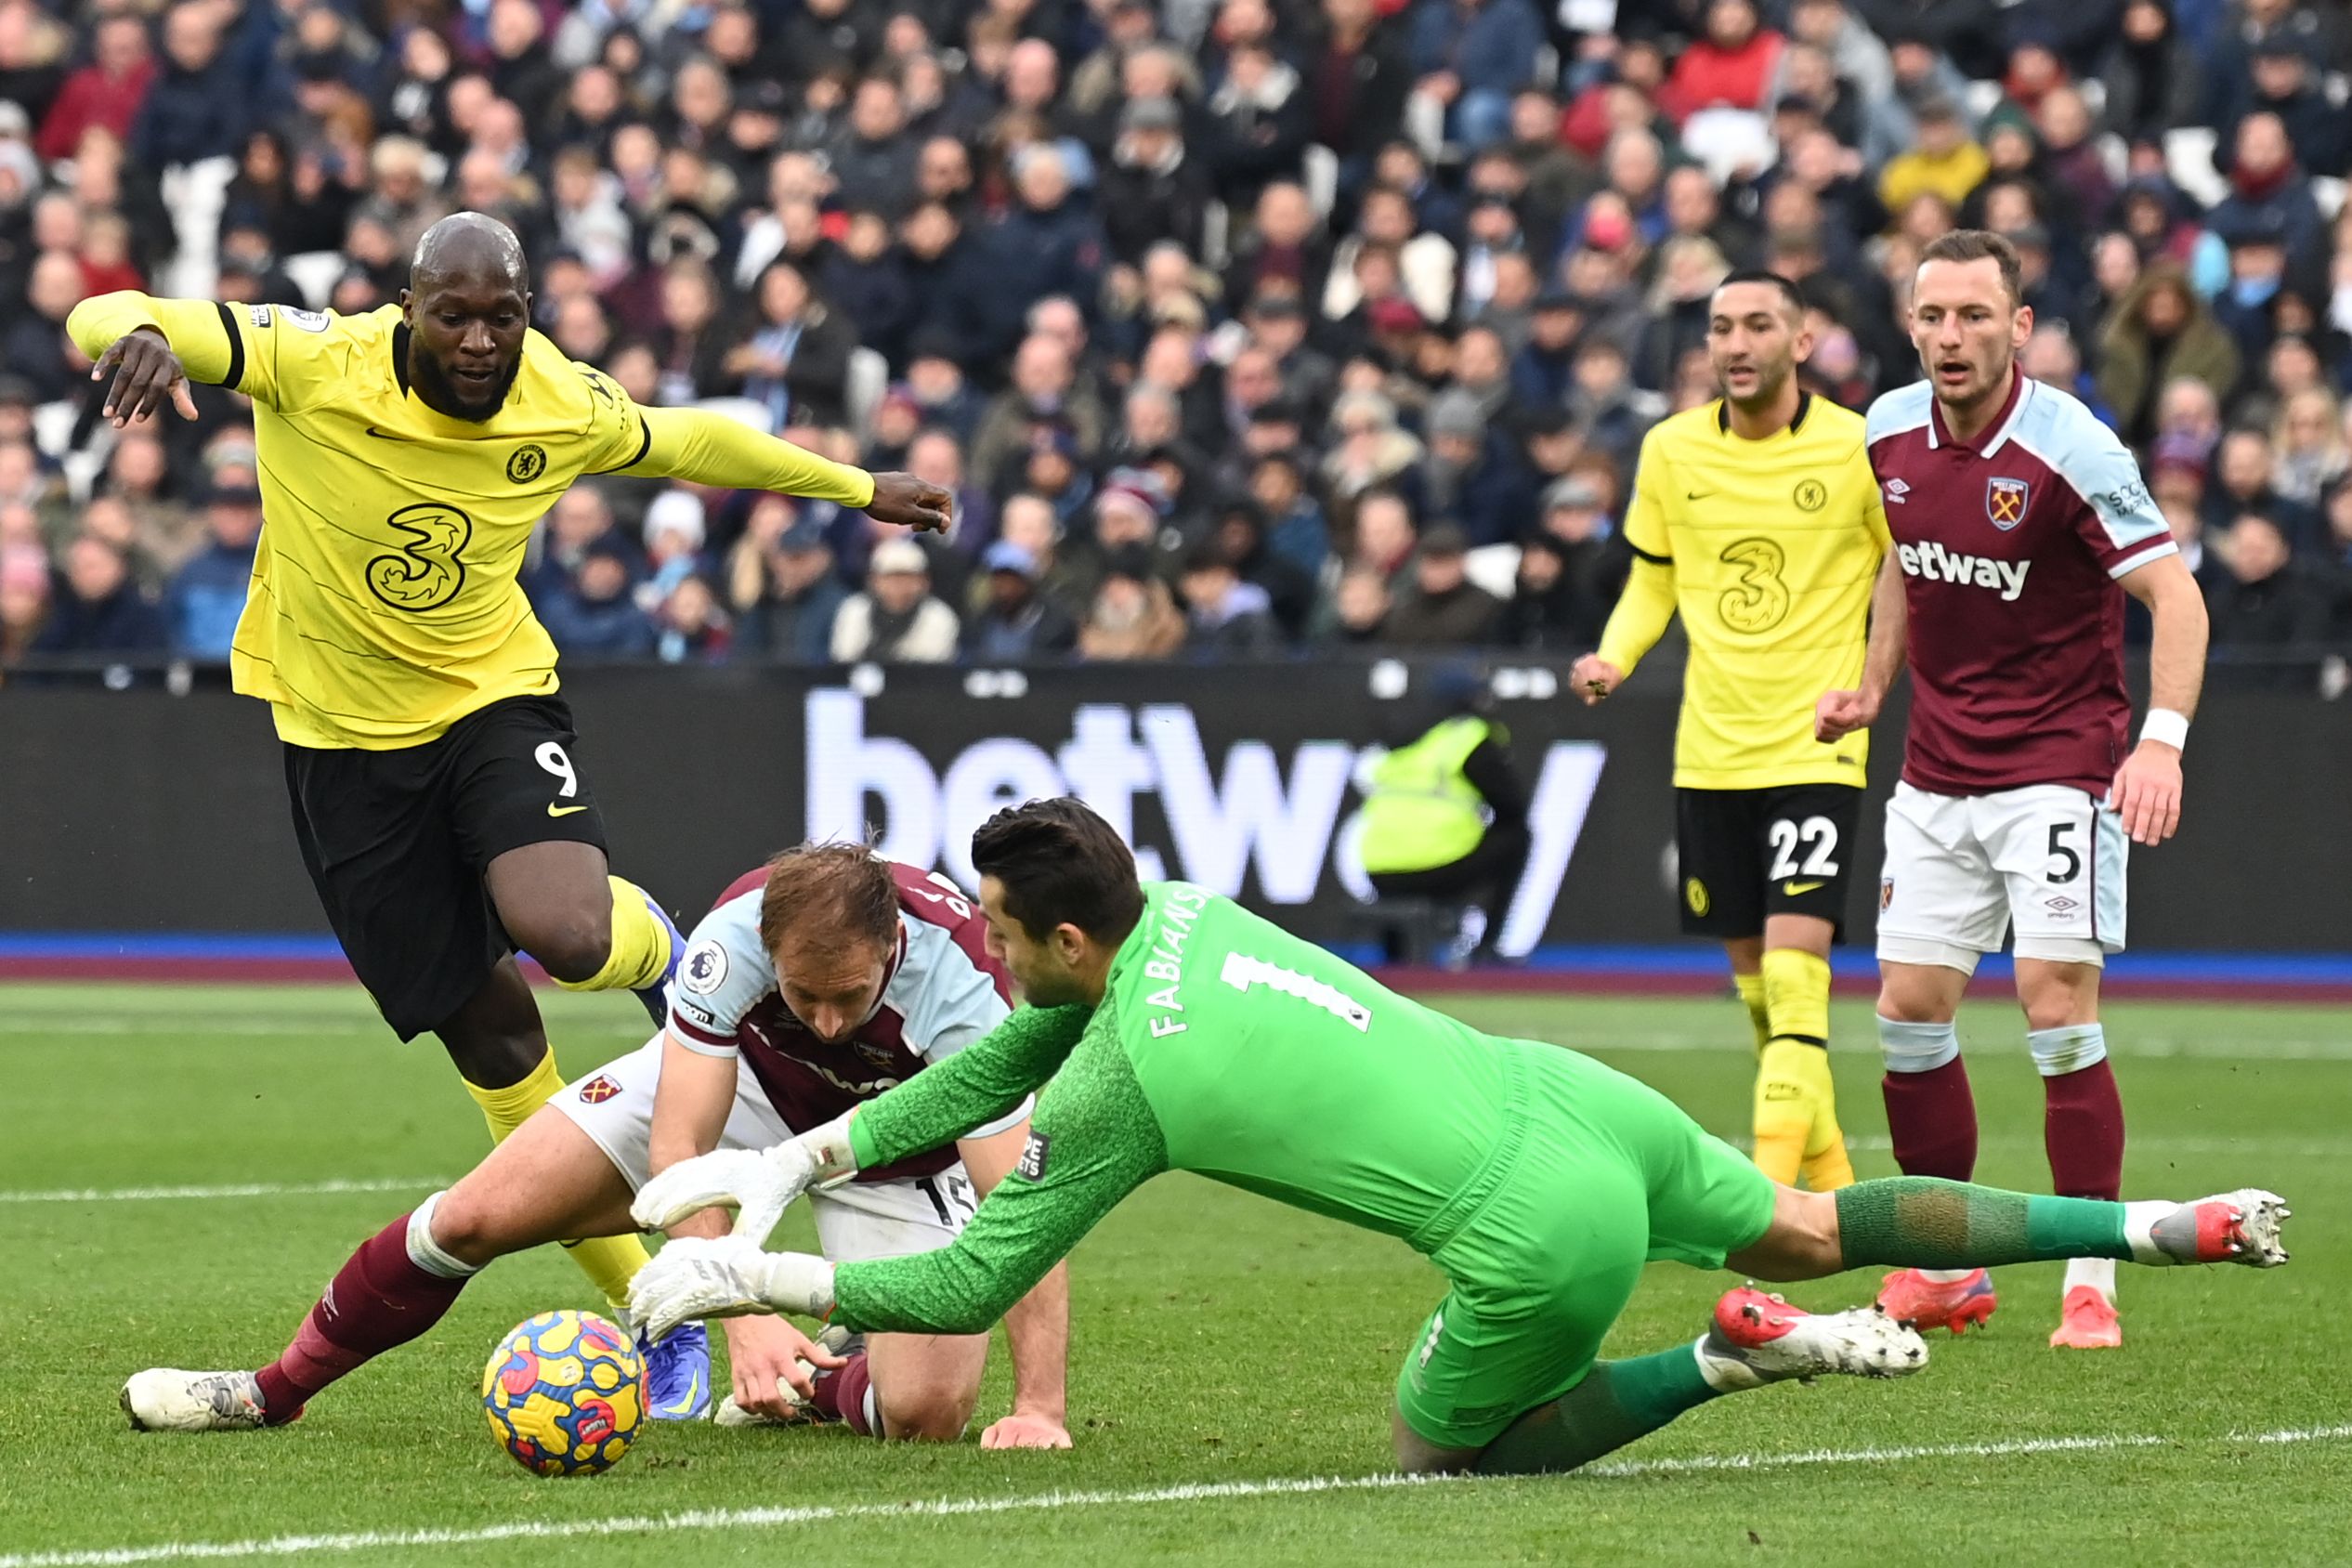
x=2166 y=727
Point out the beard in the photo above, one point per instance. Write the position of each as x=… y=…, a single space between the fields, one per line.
x=1768 y=387
x=441 y=391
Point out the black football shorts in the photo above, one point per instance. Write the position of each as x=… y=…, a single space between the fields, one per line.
x=396 y=843
x=1750 y=854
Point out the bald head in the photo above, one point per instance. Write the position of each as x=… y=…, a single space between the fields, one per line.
x=472 y=246
x=468 y=308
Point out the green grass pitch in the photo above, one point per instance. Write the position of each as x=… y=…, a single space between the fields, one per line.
x=1221 y=1342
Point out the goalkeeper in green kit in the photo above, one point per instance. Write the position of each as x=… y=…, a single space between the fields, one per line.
x=1170 y=1029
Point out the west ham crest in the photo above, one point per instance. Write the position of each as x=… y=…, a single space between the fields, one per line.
x=2005 y=503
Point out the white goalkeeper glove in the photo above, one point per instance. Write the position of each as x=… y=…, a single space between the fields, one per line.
x=725 y=1276
x=758 y=1185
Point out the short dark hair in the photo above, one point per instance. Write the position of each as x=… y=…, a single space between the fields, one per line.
x=830 y=896
x=1981 y=245
x=1771 y=280
x=1061 y=864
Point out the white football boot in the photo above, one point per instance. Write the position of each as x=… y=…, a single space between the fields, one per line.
x=167 y=1399
x=1757 y=1338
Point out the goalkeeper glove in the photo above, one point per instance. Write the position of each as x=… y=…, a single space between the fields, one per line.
x=725 y=1276
x=757 y=1184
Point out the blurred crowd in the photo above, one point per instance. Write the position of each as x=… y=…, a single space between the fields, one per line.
x=1236 y=328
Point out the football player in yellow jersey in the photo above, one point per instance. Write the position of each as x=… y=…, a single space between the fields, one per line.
x=406 y=456
x=1757 y=517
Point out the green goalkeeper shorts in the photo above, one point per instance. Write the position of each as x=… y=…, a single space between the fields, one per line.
x=1594 y=1175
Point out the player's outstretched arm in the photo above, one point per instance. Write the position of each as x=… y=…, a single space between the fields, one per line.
x=975 y=1085
x=1094 y=1139
x=2147 y=786
x=1037 y=1326
x=1839 y=713
x=151 y=347
x=710 y=449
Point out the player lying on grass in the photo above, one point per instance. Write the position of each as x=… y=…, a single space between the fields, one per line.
x=1182 y=1033
x=812 y=986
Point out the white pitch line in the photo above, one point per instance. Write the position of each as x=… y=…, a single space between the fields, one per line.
x=2308 y=1148
x=164 y=1029
x=1713 y=1462
x=2155 y=1046
x=954 y=1507
x=2158 y=1047
x=239 y=1189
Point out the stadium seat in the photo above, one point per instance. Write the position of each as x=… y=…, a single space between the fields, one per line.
x=1727 y=141
x=53 y=426
x=2116 y=156
x=868 y=379
x=2189 y=159
x=1494 y=568
x=195 y=193
x=1216 y=235
x=314 y=273
x=1319 y=171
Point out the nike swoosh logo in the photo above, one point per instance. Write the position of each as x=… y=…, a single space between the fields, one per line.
x=1798 y=890
x=387 y=436
x=555 y=810
x=694 y=1381
x=1698 y=495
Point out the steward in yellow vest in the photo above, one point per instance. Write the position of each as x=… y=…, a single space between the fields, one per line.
x=1446 y=820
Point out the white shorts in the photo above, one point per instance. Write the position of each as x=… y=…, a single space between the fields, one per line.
x=855 y=1221
x=1961 y=870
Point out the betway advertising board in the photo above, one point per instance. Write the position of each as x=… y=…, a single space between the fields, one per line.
x=1258 y=799
x=144 y=811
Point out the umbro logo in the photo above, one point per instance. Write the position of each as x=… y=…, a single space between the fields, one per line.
x=1898 y=492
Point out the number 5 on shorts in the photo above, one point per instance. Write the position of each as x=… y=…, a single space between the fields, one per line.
x=2066 y=860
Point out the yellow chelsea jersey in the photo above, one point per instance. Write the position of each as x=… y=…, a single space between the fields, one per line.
x=1774 y=546
x=385 y=604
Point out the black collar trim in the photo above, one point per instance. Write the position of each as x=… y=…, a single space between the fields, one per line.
x=400 y=356
x=1723 y=413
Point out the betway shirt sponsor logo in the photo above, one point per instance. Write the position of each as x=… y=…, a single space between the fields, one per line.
x=1936 y=564
x=1284 y=816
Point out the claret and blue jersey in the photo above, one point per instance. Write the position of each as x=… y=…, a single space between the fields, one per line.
x=2011 y=548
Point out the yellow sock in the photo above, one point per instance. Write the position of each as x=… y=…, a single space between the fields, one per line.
x=1795 y=986
x=1751 y=988
x=609 y=1262
x=640 y=950
x=506 y=1109
x=1796 y=1111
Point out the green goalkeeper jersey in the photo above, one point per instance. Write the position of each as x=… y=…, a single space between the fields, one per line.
x=1224 y=1046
